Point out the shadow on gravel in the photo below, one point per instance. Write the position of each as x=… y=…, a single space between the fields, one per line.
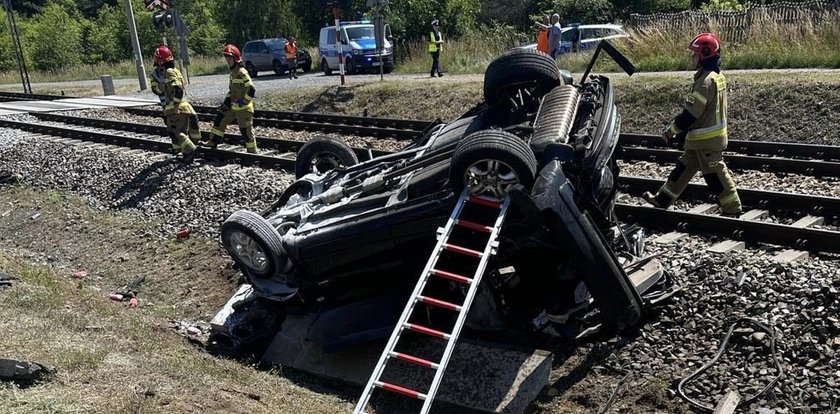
x=331 y=99
x=146 y=183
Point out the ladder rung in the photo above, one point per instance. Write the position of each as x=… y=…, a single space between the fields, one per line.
x=485 y=201
x=439 y=303
x=474 y=226
x=451 y=276
x=400 y=390
x=427 y=331
x=462 y=250
x=414 y=360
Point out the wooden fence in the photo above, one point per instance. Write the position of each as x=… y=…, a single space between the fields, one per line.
x=734 y=26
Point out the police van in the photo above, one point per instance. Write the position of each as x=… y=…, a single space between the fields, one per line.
x=358 y=45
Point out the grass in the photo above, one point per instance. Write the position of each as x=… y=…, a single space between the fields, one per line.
x=110 y=358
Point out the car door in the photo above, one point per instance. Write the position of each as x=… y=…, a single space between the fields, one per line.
x=330 y=51
x=264 y=56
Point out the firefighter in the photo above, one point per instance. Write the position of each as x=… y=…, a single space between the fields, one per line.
x=238 y=104
x=703 y=123
x=168 y=84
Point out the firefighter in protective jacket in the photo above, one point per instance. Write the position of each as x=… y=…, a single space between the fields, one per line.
x=703 y=122
x=181 y=119
x=238 y=104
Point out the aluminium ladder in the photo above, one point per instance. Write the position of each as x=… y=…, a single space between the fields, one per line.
x=465 y=202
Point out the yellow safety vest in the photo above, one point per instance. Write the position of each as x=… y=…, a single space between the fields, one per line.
x=434 y=47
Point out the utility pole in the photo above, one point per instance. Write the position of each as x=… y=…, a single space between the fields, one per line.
x=338 y=36
x=24 y=72
x=135 y=43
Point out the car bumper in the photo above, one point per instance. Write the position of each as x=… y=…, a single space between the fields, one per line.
x=373 y=61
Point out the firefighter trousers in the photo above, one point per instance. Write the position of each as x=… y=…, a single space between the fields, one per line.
x=244 y=119
x=715 y=173
x=183 y=130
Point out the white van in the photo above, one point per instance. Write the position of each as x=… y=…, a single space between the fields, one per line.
x=358 y=47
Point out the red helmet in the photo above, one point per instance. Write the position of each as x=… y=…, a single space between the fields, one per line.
x=232 y=51
x=705 y=45
x=163 y=55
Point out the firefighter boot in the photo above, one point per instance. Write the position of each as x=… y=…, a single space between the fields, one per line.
x=211 y=142
x=250 y=139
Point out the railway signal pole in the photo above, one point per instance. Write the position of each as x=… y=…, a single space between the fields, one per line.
x=135 y=44
x=13 y=30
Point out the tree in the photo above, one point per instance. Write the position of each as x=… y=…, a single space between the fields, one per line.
x=246 y=20
x=105 y=39
x=53 y=38
x=8 y=60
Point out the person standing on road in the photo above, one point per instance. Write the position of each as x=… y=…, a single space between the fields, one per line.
x=435 y=47
x=542 y=35
x=180 y=117
x=703 y=122
x=238 y=104
x=555 y=33
x=291 y=57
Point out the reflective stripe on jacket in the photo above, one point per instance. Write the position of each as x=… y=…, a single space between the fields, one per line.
x=707 y=103
x=240 y=82
x=433 y=37
x=175 y=105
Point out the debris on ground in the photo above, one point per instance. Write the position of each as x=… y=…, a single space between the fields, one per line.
x=23 y=372
x=6 y=279
x=128 y=292
x=198 y=331
x=183 y=233
x=8 y=177
x=80 y=274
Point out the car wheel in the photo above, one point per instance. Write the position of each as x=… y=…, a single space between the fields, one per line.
x=518 y=77
x=325 y=67
x=252 y=71
x=278 y=67
x=349 y=67
x=253 y=243
x=307 y=67
x=491 y=162
x=322 y=154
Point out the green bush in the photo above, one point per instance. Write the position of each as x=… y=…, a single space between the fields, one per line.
x=54 y=39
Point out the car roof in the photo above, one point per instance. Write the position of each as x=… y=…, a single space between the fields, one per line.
x=594 y=26
x=266 y=39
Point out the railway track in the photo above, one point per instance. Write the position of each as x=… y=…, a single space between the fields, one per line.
x=281 y=154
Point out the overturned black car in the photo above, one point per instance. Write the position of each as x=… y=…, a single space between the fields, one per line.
x=346 y=235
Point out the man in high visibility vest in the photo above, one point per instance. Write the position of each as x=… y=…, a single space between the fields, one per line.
x=291 y=57
x=703 y=121
x=238 y=103
x=435 y=47
x=181 y=119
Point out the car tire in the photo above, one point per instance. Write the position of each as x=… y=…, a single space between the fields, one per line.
x=278 y=67
x=494 y=153
x=325 y=67
x=323 y=153
x=349 y=68
x=517 y=68
x=252 y=71
x=253 y=243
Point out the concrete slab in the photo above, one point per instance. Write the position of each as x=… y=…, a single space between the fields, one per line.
x=728 y=403
x=481 y=375
x=727 y=246
x=808 y=221
x=790 y=256
x=703 y=208
x=755 y=215
x=669 y=238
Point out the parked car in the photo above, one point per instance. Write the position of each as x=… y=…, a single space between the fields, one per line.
x=348 y=233
x=589 y=36
x=270 y=54
x=358 y=44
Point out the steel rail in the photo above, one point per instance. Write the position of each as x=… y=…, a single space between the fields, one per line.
x=752 y=198
x=780 y=149
x=366 y=131
x=244 y=158
x=32 y=96
x=666 y=220
x=742 y=162
x=746 y=230
x=392 y=123
x=289 y=146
